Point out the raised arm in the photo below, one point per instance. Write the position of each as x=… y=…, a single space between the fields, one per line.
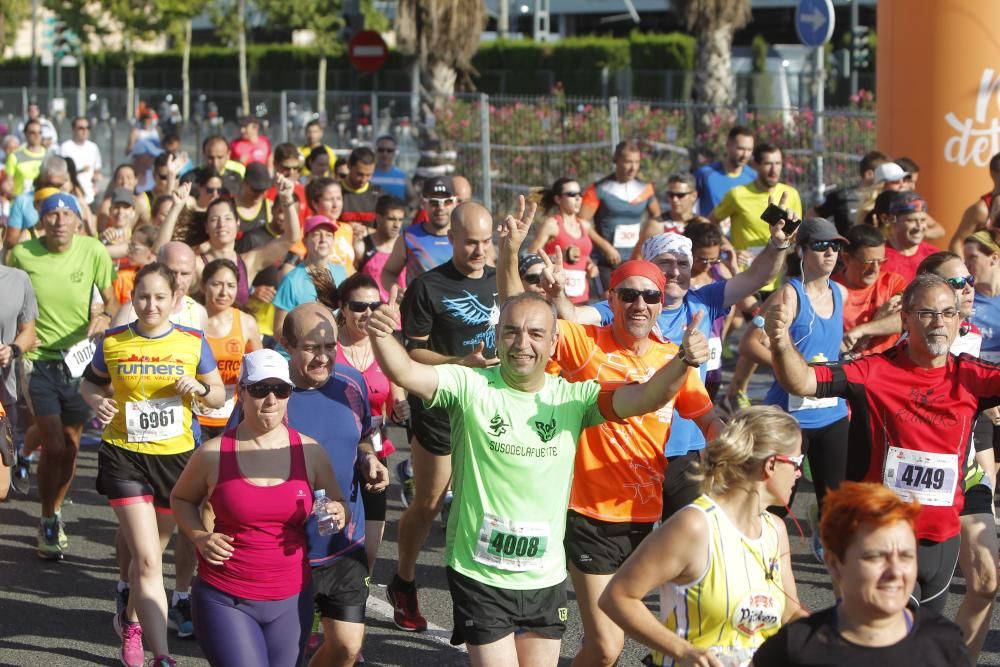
x=768 y=264
x=976 y=216
x=272 y=253
x=513 y=230
x=638 y=399
x=419 y=379
x=180 y=197
x=790 y=368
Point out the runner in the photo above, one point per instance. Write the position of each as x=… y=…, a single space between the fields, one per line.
x=141 y=384
x=515 y=428
x=714 y=180
x=424 y=245
x=326 y=198
x=359 y=296
x=841 y=205
x=85 y=155
x=913 y=408
x=906 y=247
x=251 y=147
x=872 y=558
x=314 y=140
x=53 y=173
x=388 y=177
x=682 y=195
x=186 y=312
x=390 y=213
x=573 y=236
x=18 y=312
x=24 y=163
x=215 y=157
x=617 y=206
x=360 y=194
x=722 y=563
x=450 y=315
x=979 y=214
x=330 y=401
x=253 y=597
x=252 y=205
x=230 y=333
x=64 y=269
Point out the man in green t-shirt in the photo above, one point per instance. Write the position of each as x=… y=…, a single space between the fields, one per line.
x=514 y=433
x=64 y=269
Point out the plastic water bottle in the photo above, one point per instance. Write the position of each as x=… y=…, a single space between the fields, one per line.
x=324 y=520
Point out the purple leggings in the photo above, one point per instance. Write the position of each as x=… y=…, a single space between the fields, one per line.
x=234 y=631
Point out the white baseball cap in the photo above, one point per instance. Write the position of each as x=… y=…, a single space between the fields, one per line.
x=261 y=365
x=889 y=172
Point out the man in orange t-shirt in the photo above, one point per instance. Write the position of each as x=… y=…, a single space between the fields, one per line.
x=871 y=310
x=617 y=492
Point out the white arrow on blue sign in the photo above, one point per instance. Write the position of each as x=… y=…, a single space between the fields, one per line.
x=814 y=21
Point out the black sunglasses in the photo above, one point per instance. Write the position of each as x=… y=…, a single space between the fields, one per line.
x=629 y=295
x=262 y=389
x=961 y=282
x=213 y=191
x=532 y=278
x=362 y=306
x=820 y=246
x=571 y=193
x=678 y=195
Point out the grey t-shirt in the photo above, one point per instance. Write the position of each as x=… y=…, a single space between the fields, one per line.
x=17 y=306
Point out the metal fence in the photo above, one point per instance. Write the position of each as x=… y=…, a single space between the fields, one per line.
x=505 y=145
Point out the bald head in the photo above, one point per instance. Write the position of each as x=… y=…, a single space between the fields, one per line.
x=309 y=333
x=468 y=217
x=179 y=258
x=471 y=237
x=462 y=188
x=306 y=319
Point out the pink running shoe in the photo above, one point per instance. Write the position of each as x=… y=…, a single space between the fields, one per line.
x=132 y=653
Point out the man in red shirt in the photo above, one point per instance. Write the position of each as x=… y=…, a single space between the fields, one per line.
x=252 y=146
x=907 y=248
x=871 y=309
x=913 y=408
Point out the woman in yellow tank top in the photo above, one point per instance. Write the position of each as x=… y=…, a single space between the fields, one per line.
x=230 y=333
x=723 y=562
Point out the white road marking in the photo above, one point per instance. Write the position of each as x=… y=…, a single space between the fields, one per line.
x=378 y=605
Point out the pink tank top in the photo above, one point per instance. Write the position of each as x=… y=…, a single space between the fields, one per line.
x=379 y=399
x=577 y=285
x=268 y=526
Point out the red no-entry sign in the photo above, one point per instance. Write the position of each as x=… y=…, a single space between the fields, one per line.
x=367 y=51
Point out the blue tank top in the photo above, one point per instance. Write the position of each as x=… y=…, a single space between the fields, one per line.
x=986 y=316
x=424 y=251
x=818 y=339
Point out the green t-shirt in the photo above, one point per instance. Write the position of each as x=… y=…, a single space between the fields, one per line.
x=512 y=463
x=64 y=286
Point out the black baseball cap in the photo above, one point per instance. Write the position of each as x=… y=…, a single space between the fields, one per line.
x=258 y=177
x=439 y=187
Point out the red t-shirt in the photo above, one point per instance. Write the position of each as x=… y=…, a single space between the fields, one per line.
x=900 y=264
x=246 y=151
x=861 y=304
x=911 y=427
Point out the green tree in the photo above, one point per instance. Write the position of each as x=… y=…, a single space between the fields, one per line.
x=137 y=20
x=178 y=15
x=324 y=18
x=12 y=15
x=713 y=23
x=443 y=35
x=230 y=20
x=78 y=15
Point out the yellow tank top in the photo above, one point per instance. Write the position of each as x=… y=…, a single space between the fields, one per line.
x=738 y=602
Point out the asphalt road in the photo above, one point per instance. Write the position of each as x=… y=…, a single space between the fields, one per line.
x=54 y=614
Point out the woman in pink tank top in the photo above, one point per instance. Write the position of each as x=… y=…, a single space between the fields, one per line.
x=252 y=601
x=570 y=234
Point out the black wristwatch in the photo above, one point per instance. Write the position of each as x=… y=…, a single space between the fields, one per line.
x=15 y=350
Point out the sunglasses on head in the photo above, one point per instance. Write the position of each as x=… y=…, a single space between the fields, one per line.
x=362 y=306
x=262 y=389
x=630 y=294
x=961 y=282
x=820 y=246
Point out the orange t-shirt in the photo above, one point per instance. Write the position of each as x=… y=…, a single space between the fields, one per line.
x=861 y=304
x=618 y=475
x=124 y=284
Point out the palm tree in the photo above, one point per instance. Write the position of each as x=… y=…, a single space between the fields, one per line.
x=713 y=23
x=443 y=35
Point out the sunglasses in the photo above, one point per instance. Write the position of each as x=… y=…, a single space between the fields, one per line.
x=821 y=246
x=213 y=191
x=262 y=389
x=532 y=278
x=706 y=260
x=960 y=282
x=386 y=150
x=629 y=295
x=796 y=461
x=82 y=127
x=440 y=203
x=574 y=193
x=678 y=195
x=362 y=306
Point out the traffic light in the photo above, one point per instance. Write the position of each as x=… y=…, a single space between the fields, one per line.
x=59 y=39
x=839 y=62
x=860 y=53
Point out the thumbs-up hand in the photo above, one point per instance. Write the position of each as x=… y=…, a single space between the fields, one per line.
x=696 y=350
x=778 y=319
x=385 y=319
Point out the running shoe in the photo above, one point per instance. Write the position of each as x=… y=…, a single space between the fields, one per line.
x=132 y=653
x=162 y=661
x=406 y=610
x=63 y=539
x=179 y=618
x=20 y=475
x=121 y=600
x=404 y=473
x=49 y=547
x=446 y=507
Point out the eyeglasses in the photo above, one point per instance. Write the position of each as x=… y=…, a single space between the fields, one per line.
x=362 y=306
x=706 y=260
x=532 y=278
x=629 y=295
x=262 y=389
x=441 y=203
x=821 y=246
x=928 y=316
x=386 y=150
x=574 y=193
x=796 y=461
x=678 y=195
x=960 y=282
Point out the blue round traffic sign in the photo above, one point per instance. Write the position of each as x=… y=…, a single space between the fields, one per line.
x=814 y=21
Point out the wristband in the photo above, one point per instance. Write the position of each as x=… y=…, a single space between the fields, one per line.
x=15 y=350
x=780 y=247
x=207 y=389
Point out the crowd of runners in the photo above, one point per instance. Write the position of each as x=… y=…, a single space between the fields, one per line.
x=243 y=323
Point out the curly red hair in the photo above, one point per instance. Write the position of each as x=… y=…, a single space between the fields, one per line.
x=855 y=504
